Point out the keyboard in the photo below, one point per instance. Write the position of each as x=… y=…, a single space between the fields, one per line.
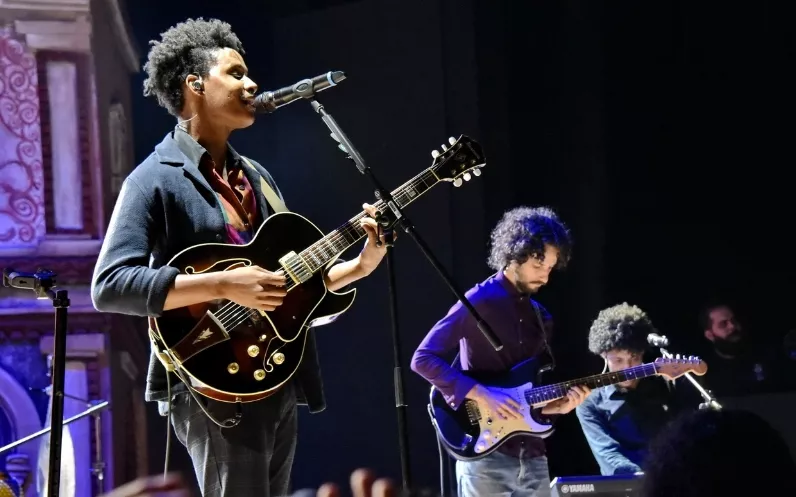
x=603 y=486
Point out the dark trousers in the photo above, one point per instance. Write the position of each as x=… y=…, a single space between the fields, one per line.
x=254 y=458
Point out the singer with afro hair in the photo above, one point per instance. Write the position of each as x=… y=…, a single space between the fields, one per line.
x=196 y=189
x=188 y=48
x=620 y=419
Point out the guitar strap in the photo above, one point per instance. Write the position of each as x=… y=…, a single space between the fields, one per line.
x=544 y=338
x=276 y=203
x=544 y=335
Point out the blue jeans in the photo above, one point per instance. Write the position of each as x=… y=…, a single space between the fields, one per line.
x=501 y=475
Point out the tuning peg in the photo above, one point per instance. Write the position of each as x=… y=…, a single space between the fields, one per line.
x=451 y=140
x=444 y=147
x=334 y=137
x=457 y=182
x=435 y=153
x=476 y=172
x=341 y=147
x=467 y=176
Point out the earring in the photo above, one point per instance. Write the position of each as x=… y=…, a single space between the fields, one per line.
x=197 y=85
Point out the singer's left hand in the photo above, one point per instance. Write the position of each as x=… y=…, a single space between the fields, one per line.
x=372 y=254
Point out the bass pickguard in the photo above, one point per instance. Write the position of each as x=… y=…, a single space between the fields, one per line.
x=468 y=433
x=493 y=429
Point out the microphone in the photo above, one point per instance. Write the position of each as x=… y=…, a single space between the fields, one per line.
x=657 y=340
x=269 y=101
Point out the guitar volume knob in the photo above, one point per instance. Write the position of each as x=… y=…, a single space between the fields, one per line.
x=279 y=358
x=233 y=368
x=253 y=350
x=259 y=375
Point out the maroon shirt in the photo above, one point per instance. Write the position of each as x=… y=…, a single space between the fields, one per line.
x=512 y=317
x=235 y=194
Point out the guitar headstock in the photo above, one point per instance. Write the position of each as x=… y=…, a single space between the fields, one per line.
x=675 y=367
x=459 y=161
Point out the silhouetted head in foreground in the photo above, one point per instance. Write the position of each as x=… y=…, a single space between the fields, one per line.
x=719 y=453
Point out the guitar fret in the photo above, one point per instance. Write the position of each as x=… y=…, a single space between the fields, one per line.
x=322 y=251
x=559 y=390
x=315 y=257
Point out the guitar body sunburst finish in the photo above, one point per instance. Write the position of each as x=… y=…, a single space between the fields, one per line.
x=235 y=354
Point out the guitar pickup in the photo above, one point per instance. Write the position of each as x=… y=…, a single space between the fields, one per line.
x=295 y=267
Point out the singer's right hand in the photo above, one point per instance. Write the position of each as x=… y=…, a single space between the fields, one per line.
x=253 y=287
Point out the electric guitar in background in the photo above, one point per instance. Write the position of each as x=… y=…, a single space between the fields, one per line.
x=469 y=433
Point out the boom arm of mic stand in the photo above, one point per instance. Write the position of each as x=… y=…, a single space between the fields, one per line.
x=710 y=400
x=405 y=224
x=98 y=407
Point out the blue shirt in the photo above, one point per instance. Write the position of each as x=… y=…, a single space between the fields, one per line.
x=512 y=317
x=619 y=424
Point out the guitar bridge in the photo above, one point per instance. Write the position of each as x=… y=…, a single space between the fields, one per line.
x=473 y=413
x=295 y=267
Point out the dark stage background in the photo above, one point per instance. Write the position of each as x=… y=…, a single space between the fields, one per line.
x=660 y=131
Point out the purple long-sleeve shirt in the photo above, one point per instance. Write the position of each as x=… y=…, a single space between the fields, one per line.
x=511 y=316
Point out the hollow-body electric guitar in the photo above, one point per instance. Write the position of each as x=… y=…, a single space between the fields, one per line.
x=469 y=433
x=232 y=353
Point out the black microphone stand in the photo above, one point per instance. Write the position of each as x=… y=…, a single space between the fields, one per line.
x=386 y=223
x=98 y=466
x=41 y=282
x=710 y=401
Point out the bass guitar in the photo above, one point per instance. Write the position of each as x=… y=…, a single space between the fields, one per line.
x=232 y=353
x=469 y=432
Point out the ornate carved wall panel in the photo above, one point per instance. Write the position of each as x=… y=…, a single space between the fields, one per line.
x=21 y=175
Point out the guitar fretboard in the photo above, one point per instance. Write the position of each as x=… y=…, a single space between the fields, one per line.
x=327 y=248
x=559 y=390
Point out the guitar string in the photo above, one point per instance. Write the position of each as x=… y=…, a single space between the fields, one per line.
x=351 y=226
x=237 y=314
x=563 y=385
x=558 y=387
x=334 y=237
x=233 y=312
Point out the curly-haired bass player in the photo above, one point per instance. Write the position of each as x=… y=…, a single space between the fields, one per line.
x=620 y=420
x=195 y=188
x=527 y=244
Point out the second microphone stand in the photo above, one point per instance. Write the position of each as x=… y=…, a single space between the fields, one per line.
x=710 y=401
x=42 y=283
x=384 y=221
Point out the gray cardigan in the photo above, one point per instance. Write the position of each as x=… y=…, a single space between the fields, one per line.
x=165 y=206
